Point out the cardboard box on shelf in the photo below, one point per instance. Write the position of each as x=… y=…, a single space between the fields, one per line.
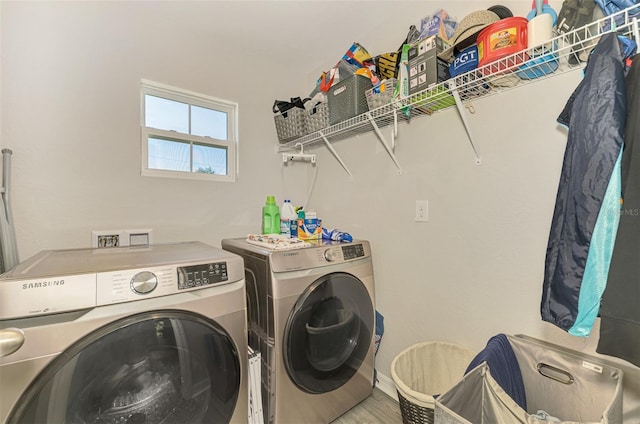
x=424 y=66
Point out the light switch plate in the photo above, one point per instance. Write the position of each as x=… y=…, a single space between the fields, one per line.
x=422 y=211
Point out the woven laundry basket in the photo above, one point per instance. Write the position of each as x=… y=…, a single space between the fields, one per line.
x=423 y=371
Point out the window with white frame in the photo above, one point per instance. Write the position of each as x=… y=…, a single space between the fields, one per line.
x=187 y=135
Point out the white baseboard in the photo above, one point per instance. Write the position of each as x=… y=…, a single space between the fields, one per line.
x=386 y=385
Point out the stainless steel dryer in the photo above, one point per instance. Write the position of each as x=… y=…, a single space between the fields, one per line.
x=152 y=334
x=311 y=314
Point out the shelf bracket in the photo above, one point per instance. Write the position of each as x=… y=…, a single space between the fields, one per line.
x=334 y=153
x=394 y=131
x=463 y=115
x=384 y=141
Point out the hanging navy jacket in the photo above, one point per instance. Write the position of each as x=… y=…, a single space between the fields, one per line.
x=620 y=310
x=595 y=114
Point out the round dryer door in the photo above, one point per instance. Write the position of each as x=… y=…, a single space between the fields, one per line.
x=156 y=367
x=329 y=333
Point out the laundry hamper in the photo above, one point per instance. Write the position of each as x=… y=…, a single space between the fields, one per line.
x=423 y=371
x=568 y=386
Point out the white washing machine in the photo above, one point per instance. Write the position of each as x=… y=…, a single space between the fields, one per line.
x=152 y=334
x=311 y=314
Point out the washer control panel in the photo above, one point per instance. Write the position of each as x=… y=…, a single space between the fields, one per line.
x=56 y=281
x=127 y=285
x=144 y=282
x=201 y=275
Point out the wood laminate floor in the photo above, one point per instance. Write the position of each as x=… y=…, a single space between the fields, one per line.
x=378 y=408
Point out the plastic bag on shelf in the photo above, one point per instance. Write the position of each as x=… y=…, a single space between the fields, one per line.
x=354 y=59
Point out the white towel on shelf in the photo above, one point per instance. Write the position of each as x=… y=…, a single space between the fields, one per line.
x=276 y=241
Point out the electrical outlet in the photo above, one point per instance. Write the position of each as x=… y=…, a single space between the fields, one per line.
x=120 y=238
x=106 y=238
x=139 y=237
x=422 y=211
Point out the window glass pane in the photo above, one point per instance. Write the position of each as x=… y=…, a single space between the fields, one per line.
x=168 y=155
x=166 y=114
x=188 y=135
x=208 y=123
x=209 y=159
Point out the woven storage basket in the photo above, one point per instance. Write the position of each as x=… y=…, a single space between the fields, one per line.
x=424 y=370
x=317 y=118
x=290 y=124
x=381 y=95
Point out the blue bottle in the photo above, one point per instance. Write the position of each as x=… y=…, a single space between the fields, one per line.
x=336 y=235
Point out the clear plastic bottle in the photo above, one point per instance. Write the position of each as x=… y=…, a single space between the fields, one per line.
x=287 y=216
x=270 y=217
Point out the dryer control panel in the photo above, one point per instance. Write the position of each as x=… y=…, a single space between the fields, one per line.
x=343 y=253
x=352 y=251
x=319 y=256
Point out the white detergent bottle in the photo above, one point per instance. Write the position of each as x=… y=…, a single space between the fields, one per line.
x=287 y=215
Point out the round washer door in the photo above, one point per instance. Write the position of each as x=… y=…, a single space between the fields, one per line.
x=329 y=333
x=156 y=367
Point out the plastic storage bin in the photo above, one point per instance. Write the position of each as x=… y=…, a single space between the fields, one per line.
x=568 y=385
x=423 y=371
x=347 y=98
x=539 y=65
x=501 y=39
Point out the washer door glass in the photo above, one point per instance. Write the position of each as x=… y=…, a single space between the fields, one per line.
x=156 y=367
x=329 y=333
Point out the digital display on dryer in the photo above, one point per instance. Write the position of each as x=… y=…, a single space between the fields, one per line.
x=202 y=275
x=352 y=251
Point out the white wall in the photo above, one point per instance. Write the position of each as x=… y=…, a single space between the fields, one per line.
x=476 y=268
x=70 y=100
x=70 y=112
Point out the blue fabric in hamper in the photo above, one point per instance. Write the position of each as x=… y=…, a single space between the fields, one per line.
x=504 y=367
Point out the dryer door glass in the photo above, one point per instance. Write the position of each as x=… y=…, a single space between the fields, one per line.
x=159 y=367
x=329 y=333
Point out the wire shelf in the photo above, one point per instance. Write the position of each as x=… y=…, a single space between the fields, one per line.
x=563 y=53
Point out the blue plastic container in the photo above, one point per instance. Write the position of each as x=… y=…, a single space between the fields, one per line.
x=465 y=61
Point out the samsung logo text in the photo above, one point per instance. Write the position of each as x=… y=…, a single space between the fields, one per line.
x=42 y=284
